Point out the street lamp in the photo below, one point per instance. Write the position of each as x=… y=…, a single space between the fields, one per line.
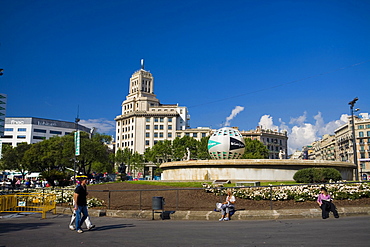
x=352 y=104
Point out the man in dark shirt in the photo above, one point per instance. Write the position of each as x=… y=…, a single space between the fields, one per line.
x=80 y=205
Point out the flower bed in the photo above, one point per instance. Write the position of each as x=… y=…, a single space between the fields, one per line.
x=306 y=192
x=65 y=195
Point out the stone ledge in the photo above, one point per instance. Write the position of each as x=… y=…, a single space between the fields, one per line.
x=212 y=215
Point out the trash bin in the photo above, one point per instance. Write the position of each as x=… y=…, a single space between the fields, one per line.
x=157 y=203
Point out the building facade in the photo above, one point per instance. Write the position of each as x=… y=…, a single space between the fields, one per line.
x=32 y=130
x=144 y=121
x=325 y=149
x=276 y=142
x=344 y=143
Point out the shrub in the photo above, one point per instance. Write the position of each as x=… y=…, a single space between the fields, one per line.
x=317 y=175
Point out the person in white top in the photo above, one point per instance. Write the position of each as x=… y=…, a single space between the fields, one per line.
x=227 y=206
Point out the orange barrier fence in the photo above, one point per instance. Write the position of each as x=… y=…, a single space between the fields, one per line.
x=28 y=202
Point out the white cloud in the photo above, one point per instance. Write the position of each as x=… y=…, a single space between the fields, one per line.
x=104 y=126
x=234 y=112
x=300 y=132
x=266 y=122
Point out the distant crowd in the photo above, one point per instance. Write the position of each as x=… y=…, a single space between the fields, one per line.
x=17 y=183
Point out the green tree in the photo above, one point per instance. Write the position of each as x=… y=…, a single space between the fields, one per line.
x=14 y=159
x=57 y=153
x=137 y=163
x=92 y=150
x=163 y=151
x=180 y=146
x=255 y=149
x=202 y=149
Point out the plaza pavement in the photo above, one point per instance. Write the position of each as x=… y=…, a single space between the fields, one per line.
x=31 y=230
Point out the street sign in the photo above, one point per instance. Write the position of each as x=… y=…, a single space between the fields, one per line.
x=77 y=143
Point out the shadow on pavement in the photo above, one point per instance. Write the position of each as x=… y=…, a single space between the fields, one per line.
x=12 y=227
x=110 y=227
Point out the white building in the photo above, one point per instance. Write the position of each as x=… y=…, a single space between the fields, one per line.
x=33 y=130
x=145 y=121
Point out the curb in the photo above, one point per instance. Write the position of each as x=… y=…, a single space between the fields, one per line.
x=212 y=215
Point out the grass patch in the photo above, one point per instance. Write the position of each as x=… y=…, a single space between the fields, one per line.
x=171 y=184
x=199 y=184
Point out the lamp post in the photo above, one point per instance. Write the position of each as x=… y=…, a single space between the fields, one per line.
x=352 y=104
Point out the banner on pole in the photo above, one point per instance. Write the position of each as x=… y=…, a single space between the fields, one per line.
x=77 y=143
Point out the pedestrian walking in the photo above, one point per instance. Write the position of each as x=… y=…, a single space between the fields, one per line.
x=80 y=203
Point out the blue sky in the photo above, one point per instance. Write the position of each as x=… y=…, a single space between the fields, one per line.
x=290 y=65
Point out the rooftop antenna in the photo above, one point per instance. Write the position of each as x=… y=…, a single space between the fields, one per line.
x=77 y=119
x=142 y=64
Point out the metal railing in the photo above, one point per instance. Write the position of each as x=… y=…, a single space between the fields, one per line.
x=28 y=202
x=176 y=198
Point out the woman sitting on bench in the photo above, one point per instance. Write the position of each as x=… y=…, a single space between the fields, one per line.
x=227 y=206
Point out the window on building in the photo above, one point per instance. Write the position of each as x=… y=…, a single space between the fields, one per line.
x=22 y=129
x=170 y=120
x=195 y=134
x=155 y=134
x=7 y=137
x=203 y=134
x=147 y=134
x=156 y=119
x=367 y=126
x=21 y=137
x=54 y=132
x=147 y=119
x=161 y=135
x=147 y=127
x=169 y=135
x=187 y=134
x=39 y=131
x=170 y=127
x=161 y=119
x=361 y=134
x=155 y=127
x=368 y=134
x=39 y=137
x=8 y=129
x=360 y=127
x=147 y=142
x=155 y=142
x=161 y=127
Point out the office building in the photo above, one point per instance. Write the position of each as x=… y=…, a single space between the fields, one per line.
x=33 y=130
